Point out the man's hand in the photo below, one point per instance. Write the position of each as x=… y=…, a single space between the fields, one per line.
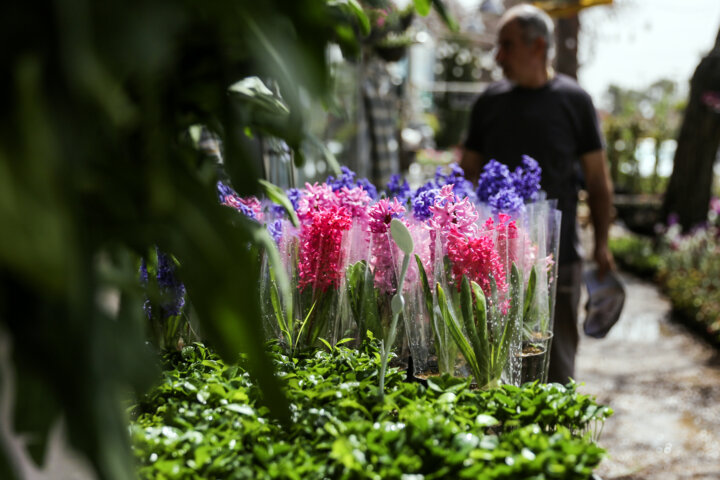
x=470 y=163
x=604 y=259
x=599 y=188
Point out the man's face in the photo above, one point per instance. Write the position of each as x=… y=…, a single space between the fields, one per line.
x=519 y=60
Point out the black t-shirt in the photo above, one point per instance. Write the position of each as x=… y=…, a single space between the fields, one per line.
x=554 y=124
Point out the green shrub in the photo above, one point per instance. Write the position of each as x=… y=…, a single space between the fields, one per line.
x=687 y=267
x=205 y=420
x=635 y=254
x=690 y=275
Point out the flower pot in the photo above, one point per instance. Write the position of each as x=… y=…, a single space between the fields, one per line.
x=535 y=357
x=391 y=54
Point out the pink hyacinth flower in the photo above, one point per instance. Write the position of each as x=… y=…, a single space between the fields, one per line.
x=449 y=213
x=315 y=197
x=253 y=204
x=355 y=201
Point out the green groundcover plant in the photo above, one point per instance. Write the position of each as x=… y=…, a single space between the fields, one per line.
x=205 y=420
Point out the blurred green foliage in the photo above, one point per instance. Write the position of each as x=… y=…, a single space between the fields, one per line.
x=458 y=60
x=686 y=266
x=654 y=113
x=636 y=254
x=689 y=273
x=96 y=167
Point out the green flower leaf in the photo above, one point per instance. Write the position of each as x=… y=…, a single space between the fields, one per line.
x=277 y=195
x=401 y=236
x=422 y=6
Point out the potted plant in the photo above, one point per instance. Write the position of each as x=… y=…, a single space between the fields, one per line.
x=538 y=309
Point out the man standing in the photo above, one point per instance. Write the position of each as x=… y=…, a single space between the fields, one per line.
x=550 y=118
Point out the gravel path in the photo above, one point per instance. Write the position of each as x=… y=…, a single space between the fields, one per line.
x=664 y=386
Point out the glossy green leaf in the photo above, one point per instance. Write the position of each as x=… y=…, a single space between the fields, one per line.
x=326 y=343
x=401 y=236
x=358 y=11
x=427 y=293
x=422 y=6
x=530 y=294
x=397 y=303
x=277 y=195
x=482 y=349
x=252 y=89
x=456 y=332
x=445 y=15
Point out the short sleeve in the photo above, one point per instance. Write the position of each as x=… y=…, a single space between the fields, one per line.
x=591 y=138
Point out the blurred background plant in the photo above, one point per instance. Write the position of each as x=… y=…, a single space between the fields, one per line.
x=640 y=130
x=636 y=254
x=119 y=120
x=689 y=272
x=98 y=165
x=685 y=265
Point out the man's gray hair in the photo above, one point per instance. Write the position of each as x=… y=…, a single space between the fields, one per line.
x=534 y=23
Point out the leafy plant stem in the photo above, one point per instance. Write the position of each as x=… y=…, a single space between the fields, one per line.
x=401 y=236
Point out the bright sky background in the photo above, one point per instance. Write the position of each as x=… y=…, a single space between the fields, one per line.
x=636 y=42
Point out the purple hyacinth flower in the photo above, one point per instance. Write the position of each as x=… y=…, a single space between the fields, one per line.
x=526 y=178
x=275 y=229
x=440 y=178
x=223 y=191
x=464 y=188
x=147 y=306
x=345 y=179
x=505 y=200
x=143 y=272
x=278 y=211
x=294 y=196
x=245 y=210
x=456 y=175
x=494 y=178
x=368 y=187
x=398 y=188
x=171 y=288
x=423 y=200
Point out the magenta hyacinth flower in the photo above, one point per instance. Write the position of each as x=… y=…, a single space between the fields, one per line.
x=477 y=258
x=320 y=262
x=506 y=237
x=384 y=252
x=314 y=198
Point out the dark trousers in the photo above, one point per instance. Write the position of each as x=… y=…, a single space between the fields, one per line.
x=565 y=330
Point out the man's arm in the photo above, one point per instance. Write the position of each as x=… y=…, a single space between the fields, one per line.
x=599 y=188
x=470 y=163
